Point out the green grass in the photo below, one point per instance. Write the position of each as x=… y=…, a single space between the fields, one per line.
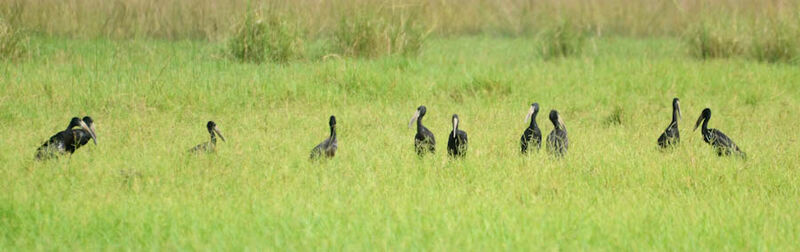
x=613 y=191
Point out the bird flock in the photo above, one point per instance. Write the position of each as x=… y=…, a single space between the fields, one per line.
x=80 y=131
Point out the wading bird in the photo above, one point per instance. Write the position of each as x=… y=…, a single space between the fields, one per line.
x=211 y=145
x=329 y=146
x=457 y=142
x=557 y=142
x=721 y=143
x=64 y=142
x=671 y=136
x=85 y=135
x=532 y=137
x=424 y=141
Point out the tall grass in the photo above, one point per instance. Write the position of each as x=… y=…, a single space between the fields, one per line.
x=561 y=40
x=212 y=20
x=13 y=42
x=257 y=39
x=365 y=35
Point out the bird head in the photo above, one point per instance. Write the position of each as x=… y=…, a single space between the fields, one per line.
x=705 y=115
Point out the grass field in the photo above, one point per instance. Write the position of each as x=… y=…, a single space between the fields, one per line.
x=139 y=189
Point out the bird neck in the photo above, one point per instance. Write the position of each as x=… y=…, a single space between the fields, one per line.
x=419 y=124
x=213 y=136
x=333 y=132
x=533 y=121
x=674 y=115
x=705 y=123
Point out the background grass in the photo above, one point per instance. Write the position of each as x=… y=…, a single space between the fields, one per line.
x=138 y=188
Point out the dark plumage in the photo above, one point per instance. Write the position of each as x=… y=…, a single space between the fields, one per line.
x=85 y=135
x=211 y=145
x=329 y=146
x=532 y=137
x=721 y=143
x=671 y=136
x=424 y=142
x=64 y=142
x=457 y=142
x=557 y=141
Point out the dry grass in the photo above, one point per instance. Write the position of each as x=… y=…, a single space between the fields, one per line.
x=213 y=20
x=13 y=42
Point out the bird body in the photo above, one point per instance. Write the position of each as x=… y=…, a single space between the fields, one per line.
x=66 y=141
x=557 y=141
x=457 y=141
x=211 y=145
x=532 y=136
x=329 y=146
x=721 y=142
x=671 y=135
x=424 y=142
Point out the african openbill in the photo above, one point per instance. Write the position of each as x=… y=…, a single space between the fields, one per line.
x=211 y=145
x=85 y=135
x=721 y=143
x=64 y=142
x=671 y=136
x=457 y=142
x=557 y=141
x=532 y=136
x=424 y=141
x=329 y=146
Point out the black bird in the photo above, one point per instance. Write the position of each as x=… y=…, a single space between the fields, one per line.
x=64 y=142
x=85 y=135
x=329 y=146
x=457 y=142
x=532 y=136
x=671 y=136
x=424 y=141
x=721 y=143
x=211 y=145
x=557 y=142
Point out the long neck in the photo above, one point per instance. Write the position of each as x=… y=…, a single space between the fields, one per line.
x=533 y=121
x=705 y=123
x=213 y=136
x=674 y=114
x=419 y=123
x=333 y=132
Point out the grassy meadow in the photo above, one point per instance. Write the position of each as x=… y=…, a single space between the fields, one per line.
x=151 y=94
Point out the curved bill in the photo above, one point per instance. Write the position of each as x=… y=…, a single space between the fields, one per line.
x=455 y=126
x=561 y=122
x=697 y=124
x=216 y=130
x=413 y=118
x=530 y=113
x=680 y=116
x=90 y=130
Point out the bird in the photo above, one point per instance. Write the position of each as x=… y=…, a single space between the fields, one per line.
x=532 y=137
x=64 y=142
x=557 y=141
x=671 y=136
x=721 y=143
x=329 y=146
x=211 y=145
x=424 y=142
x=457 y=142
x=84 y=135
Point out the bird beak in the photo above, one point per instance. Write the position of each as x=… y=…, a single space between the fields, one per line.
x=91 y=132
x=698 y=122
x=680 y=116
x=413 y=118
x=216 y=130
x=455 y=126
x=561 y=122
x=530 y=113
